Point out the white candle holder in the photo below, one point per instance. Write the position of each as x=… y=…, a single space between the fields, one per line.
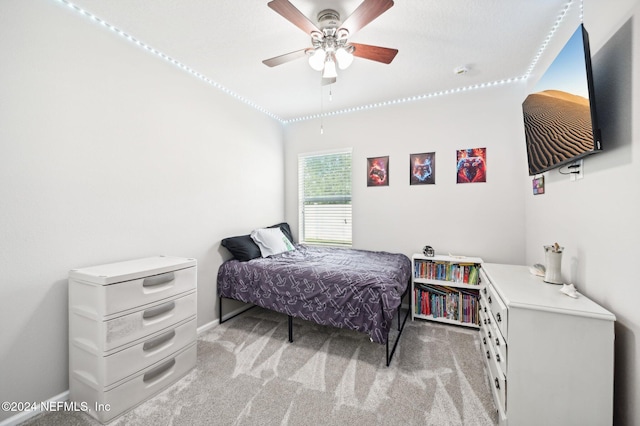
x=553 y=264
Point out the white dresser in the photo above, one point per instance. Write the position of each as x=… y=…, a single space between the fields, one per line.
x=549 y=356
x=132 y=331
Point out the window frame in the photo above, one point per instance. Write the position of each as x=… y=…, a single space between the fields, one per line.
x=305 y=210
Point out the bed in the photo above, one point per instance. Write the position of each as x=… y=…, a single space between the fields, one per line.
x=347 y=288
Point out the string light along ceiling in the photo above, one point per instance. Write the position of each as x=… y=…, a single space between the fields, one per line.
x=315 y=50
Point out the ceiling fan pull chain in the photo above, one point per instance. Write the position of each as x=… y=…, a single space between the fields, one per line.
x=321 y=110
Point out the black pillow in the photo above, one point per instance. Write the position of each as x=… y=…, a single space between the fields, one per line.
x=242 y=247
x=284 y=227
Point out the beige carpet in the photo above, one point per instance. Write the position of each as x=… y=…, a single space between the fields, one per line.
x=248 y=374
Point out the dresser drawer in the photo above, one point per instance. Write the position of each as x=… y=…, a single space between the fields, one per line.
x=499 y=310
x=499 y=347
x=492 y=340
x=486 y=340
x=490 y=300
x=100 y=301
x=126 y=394
x=99 y=336
x=101 y=371
x=498 y=385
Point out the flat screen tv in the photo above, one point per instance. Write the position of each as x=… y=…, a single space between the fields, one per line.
x=560 y=118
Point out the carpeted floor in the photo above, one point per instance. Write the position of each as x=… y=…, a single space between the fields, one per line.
x=249 y=374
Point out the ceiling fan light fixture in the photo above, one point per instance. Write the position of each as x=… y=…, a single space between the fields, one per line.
x=344 y=57
x=329 y=38
x=329 y=68
x=317 y=59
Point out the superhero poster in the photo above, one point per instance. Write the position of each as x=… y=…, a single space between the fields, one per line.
x=422 y=168
x=378 y=171
x=472 y=165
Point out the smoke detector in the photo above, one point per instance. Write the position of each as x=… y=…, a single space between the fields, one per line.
x=460 y=70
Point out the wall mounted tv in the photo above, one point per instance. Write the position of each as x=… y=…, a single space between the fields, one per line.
x=560 y=118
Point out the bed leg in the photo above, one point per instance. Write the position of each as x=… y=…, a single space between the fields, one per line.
x=400 y=326
x=400 y=329
x=290 y=329
x=232 y=316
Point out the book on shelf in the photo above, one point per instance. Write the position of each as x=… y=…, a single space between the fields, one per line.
x=446 y=302
x=456 y=272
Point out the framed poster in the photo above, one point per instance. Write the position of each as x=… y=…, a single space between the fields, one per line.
x=422 y=168
x=538 y=185
x=378 y=171
x=471 y=165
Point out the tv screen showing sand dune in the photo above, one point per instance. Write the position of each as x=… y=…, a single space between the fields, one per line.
x=557 y=114
x=557 y=128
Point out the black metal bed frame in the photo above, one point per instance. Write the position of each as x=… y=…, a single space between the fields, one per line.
x=401 y=323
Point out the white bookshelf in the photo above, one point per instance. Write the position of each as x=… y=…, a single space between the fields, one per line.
x=442 y=292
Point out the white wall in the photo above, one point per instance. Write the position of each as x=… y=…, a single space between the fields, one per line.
x=108 y=153
x=475 y=219
x=595 y=218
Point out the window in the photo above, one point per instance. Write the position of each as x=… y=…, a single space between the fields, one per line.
x=324 y=197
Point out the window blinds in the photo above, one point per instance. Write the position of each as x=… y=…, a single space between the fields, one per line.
x=324 y=185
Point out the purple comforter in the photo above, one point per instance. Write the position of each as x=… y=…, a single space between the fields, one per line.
x=355 y=289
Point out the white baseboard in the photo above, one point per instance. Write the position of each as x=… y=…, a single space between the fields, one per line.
x=23 y=416
x=208 y=326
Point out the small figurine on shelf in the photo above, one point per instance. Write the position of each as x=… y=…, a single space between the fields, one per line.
x=428 y=251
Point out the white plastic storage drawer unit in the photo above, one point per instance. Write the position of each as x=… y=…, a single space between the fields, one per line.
x=132 y=331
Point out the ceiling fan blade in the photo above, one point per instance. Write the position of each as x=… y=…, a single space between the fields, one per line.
x=287 y=57
x=293 y=15
x=374 y=53
x=365 y=13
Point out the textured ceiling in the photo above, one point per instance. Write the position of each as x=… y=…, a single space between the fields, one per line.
x=226 y=41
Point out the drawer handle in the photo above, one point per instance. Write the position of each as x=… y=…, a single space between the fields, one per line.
x=498 y=317
x=157 y=341
x=484 y=340
x=489 y=333
x=497 y=383
x=158 y=310
x=497 y=342
x=498 y=357
x=489 y=299
x=488 y=355
x=158 y=279
x=152 y=374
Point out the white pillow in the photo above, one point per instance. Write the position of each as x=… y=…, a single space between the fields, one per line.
x=271 y=241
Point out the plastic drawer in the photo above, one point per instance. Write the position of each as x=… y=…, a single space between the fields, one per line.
x=106 y=404
x=100 y=336
x=101 y=371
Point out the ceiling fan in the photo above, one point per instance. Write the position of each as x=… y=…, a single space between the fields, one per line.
x=329 y=39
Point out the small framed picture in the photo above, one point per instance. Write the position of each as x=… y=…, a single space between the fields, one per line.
x=422 y=169
x=378 y=171
x=538 y=185
x=471 y=165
